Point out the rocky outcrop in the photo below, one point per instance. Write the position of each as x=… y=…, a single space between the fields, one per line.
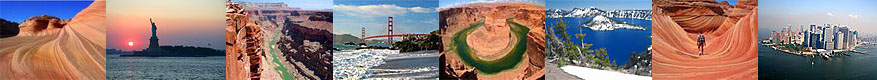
x=41 y=25
x=730 y=50
x=8 y=28
x=419 y=43
x=485 y=39
x=48 y=48
x=639 y=64
x=244 y=55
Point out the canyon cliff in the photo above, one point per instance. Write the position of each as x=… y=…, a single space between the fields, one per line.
x=301 y=40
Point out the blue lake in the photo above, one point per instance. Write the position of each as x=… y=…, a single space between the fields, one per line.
x=619 y=43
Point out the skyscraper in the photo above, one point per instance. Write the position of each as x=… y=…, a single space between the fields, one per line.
x=843 y=37
x=829 y=37
x=806 y=35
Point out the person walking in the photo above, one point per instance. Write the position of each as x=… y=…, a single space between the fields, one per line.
x=700 y=43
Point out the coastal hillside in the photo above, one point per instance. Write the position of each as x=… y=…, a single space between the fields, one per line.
x=344 y=38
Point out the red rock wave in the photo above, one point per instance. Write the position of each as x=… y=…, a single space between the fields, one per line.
x=730 y=51
x=52 y=49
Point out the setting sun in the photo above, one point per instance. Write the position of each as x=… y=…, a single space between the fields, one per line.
x=130 y=43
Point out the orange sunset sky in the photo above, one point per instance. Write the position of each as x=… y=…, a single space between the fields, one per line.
x=180 y=22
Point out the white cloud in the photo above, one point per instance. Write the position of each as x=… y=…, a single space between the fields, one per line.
x=829 y=14
x=421 y=9
x=854 y=16
x=379 y=10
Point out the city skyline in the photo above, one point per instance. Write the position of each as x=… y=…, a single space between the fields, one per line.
x=817 y=36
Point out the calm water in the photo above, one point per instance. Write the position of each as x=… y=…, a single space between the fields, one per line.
x=165 y=67
x=619 y=43
x=774 y=64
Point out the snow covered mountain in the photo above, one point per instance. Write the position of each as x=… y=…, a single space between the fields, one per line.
x=601 y=23
x=591 y=12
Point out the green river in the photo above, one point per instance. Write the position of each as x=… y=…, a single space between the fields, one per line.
x=510 y=61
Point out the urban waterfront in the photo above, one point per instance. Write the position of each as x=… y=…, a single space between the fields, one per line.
x=775 y=64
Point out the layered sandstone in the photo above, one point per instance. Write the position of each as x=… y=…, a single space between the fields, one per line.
x=730 y=50
x=490 y=40
x=244 y=55
x=49 y=48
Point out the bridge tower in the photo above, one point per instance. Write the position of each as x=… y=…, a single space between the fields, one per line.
x=362 y=37
x=390 y=29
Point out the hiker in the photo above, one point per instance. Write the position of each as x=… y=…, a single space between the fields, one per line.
x=700 y=42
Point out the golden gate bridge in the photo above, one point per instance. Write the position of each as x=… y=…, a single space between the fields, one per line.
x=389 y=34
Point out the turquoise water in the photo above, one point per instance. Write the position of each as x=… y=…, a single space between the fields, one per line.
x=509 y=61
x=619 y=43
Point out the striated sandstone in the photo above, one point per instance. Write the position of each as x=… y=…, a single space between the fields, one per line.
x=48 y=48
x=730 y=32
x=244 y=55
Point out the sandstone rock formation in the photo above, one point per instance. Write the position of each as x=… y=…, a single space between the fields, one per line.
x=48 y=48
x=490 y=39
x=730 y=32
x=300 y=39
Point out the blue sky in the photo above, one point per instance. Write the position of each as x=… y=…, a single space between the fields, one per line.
x=732 y=2
x=303 y=4
x=601 y=4
x=861 y=15
x=411 y=16
x=18 y=11
x=451 y=3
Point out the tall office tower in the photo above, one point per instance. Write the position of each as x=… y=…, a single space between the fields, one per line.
x=854 y=38
x=814 y=36
x=806 y=35
x=829 y=38
x=839 y=44
x=843 y=40
x=784 y=35
x=820 y=37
